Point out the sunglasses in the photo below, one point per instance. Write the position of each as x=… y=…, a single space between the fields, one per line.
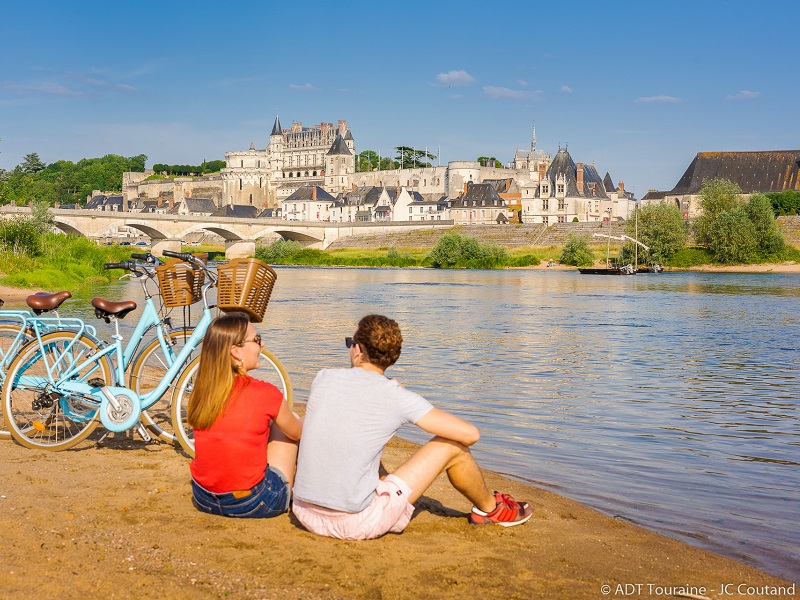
x=349 y=342
x=256 y=339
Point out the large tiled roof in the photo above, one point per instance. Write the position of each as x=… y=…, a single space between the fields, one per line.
x=204 y=206
x=654 y=195
x=766 y=171
x=368 y=195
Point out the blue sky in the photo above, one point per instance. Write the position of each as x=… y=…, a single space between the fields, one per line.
x=637 y=87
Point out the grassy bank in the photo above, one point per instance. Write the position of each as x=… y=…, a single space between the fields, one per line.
x=60 y=262
x=452 y=251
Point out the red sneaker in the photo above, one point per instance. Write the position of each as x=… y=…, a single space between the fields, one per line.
x=507 y=513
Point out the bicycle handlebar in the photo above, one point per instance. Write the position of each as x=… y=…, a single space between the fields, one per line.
x=184 y=256
x=147 y=257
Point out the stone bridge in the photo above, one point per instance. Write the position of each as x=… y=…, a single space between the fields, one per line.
x=168 y=232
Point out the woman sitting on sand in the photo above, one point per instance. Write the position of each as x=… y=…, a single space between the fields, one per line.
x=242 y=467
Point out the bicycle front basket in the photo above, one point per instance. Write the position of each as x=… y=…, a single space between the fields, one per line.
x=245 y=285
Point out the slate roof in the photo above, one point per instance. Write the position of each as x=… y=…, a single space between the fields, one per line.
x=479 y=194
x=339 y=147
x=502 y=186
x=270 y=213
x=366 y=196
x=608 y=184
x=765 y=171
x=243 y=211
x=101 y=200
x=276 y=129
x=348 y=136
x=201 y=206
x=306 y=193
x=654 y=195
x=563 y=165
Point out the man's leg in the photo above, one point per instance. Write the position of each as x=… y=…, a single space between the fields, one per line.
x=441 y=454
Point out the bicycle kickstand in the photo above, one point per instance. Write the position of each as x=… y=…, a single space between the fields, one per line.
x=142 y=431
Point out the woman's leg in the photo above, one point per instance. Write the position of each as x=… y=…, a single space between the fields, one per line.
x=282 y=454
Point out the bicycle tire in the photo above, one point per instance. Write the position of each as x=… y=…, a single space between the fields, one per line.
x=9 y=332
x=39 y=420
x=146 y=372
x=270 y=370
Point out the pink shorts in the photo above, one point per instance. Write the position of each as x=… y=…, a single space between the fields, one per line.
x=389 y=511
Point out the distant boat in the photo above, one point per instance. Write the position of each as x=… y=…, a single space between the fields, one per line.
x=609 y=270
x=614 y=269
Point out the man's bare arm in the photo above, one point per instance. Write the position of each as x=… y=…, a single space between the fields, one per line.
x=446 y=425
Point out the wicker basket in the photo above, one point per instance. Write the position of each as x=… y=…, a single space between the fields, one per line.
x=180 y=284
x=245 y=285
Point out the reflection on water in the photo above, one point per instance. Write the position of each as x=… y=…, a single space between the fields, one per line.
x=670 y=400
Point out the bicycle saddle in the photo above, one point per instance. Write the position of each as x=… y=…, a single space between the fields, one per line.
x=43 y=301
x=104 y=309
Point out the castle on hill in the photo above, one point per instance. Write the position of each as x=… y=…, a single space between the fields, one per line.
x=535 y=185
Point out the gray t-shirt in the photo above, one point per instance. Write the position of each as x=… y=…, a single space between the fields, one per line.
x=351 y=414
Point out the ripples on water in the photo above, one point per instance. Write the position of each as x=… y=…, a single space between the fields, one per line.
x=667 y=400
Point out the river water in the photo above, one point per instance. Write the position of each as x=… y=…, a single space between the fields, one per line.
x=670 y=400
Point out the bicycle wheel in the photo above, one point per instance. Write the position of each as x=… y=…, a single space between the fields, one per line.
x=10 y=341
x=146 y=372
x=36 y=414
x=270 y=370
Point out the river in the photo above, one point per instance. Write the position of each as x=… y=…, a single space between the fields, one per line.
x=670 y=401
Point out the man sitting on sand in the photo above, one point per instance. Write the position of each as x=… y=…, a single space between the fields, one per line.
x=350 y=416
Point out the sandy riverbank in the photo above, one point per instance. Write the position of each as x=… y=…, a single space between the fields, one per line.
x=115 y=520
x=787 y=267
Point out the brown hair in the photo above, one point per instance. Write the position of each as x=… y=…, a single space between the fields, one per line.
x=380 y=340
x=218 y=370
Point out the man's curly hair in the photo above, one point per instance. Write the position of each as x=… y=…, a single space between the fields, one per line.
x=380 y=339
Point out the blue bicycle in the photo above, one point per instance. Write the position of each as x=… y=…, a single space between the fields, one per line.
x=60 y=385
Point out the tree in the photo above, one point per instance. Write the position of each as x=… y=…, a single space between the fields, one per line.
x=32 y=164
x=769 y=239
x=490 y=161
x=410 y=158
x=733 y=237
x=717 y=196
x=576 y=252
x=785 y=203
x=661 y=227
x=367 y=161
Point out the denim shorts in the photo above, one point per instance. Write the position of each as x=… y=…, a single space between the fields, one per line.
x=269 y=498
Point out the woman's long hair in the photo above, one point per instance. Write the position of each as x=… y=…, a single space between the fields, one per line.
x=218 y=370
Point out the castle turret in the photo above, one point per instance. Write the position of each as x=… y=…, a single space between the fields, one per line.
x=339 y=162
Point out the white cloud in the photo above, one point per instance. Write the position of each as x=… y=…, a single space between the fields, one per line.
x=41 y=87
x=658 y=100
x=504 y=93
x=458 y=78
x=743 y=95
x=306 y=87
x=522 y=83
x=566 y=89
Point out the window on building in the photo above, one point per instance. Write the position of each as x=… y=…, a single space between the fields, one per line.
x=560 y=188
x=240 y=185
x=242 y=163
x=251 y=198
x=410 y=209
x=545 y=220
x=562 y=205
x=562 y=219
x=545 y=204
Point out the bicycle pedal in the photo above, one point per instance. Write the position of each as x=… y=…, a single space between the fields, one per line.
x=97 y=382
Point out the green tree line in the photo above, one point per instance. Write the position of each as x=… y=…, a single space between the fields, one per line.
x=65 y=181
x=213 y=166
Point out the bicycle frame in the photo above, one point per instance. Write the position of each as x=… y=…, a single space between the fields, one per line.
x=107 y=398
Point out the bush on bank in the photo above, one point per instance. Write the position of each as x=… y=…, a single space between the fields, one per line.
x=451 y=252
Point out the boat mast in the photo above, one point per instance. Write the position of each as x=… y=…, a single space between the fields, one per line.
x=608 y=248
x=636 y=235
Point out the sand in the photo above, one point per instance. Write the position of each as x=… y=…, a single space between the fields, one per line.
x=114 y=519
